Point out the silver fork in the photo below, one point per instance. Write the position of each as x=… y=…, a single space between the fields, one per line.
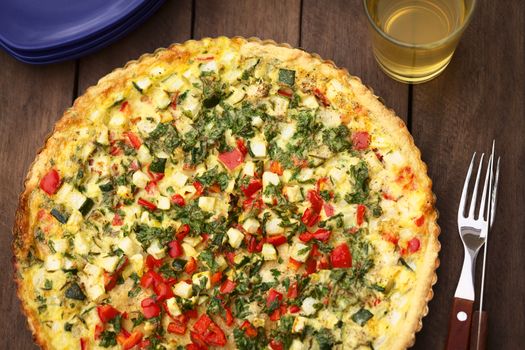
x=473 y=230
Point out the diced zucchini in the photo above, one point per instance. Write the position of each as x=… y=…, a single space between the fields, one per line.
x=173 y=308
x=140 y=179
x=300 y=252
x=108 y=186
x=207 y=203
x=202 y=278
x=75 y=292
x=183 y=289
x=251 y=225
x=362 y=316
x=60 y=216
x=179 y=179
x=163 y=203
x=178 y=264
x=270 y=178
x=86 y=207
x=142 y=84
x=273 y=226
x=158 y=165
x=308 y=306
x=287 y=76
x=269 y=252
x=53 y=262
x=76 y=199
x=258 y=147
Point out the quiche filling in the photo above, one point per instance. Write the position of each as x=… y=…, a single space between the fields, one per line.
x=229 y=200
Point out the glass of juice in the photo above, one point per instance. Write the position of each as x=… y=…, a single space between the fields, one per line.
x=414 y=40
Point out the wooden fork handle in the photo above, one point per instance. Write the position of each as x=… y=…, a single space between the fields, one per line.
x=459 y=324
x=482 y=331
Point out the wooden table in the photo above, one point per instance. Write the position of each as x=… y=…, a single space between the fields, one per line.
x=479 y=97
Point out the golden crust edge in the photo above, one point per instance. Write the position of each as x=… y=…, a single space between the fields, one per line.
x=424 y=282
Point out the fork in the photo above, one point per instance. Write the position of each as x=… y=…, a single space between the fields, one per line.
x=473 y=231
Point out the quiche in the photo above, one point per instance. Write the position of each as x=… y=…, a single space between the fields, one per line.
x=227 y=193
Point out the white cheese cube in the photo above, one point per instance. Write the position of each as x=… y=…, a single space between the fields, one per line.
x=189 y=251
x=63 y=193
x=273 y=226
x=251 y=225
x=249 y=168
x=53 y=262
x=257 y=121
x=81 y=246
x=270 y=178
x=179 y=179
x=69 y=264
x=156 y=71
x=74 y=221
x=200 y=277
x=269 y=252
x=140 y=179
x=128 y=246
x=173 y=83
x=308 y=306
x=173 y=308
x=305 y=174
x=209 y=66
x=76 y=199
x=147 y=125
x=183 y=289
x=280 y=105
x=163 y=203
x=117 y=120
x=207 y=203
x=60 y=245
x=143 y=154
x=108 y=263
x=156 y=250
x=143 y=84
x=235 y=237
x=293 y=193
x=94 y=291
x=300 y=252
x=258 y=147
x=103 y=136
x=310 y=102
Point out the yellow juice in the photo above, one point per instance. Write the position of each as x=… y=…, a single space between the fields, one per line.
x=414 y=40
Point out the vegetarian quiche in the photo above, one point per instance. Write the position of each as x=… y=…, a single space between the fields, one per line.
x=227 y=193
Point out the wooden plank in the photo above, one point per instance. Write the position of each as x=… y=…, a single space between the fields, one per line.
x=479 y=97
x=172 y=23
x=337 y=30
x=266 y=19
x=32 y=100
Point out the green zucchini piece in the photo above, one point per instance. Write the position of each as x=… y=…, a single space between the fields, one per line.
x=106 y=187
x=61 y=217
x=75 y=292
x=86 y=207
x=287 y=76
x=158 y=165
x=362 y=316
x=178 y=265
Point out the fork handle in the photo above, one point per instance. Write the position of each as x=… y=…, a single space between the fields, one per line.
x=459 y=324
x=482 y=331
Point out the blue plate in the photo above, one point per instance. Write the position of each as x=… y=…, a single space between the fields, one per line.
x=87 y=46
x=44 y=24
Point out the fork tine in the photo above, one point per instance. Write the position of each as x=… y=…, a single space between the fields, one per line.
x=475 y=191
x=494 y=194
x=461 y=210
x=483 y=208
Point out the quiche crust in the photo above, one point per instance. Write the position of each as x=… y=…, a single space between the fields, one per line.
x=116 y=80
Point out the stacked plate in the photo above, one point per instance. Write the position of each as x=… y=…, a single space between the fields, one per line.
x=39 y=32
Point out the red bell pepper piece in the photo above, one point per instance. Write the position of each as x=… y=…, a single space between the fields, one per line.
x=361 y=209
x=276 y=240
x=183 y=231
x=321 y=97
x=253 y=186
x=110 y=280
x=286 y=92
x=249 y=329
x=132 y=340
x=50 y=182
x=341 y=257
x=163 y=291
x=199 y=188
x=133 y=139
x=227 y=286
x=316 y=200
x=175 y=249
x=124 y=107
x=191 y=266
x=117 y=220
x=293 y=290
x=310 y=266
x=191 y=313
x=151 y=262
x=273 y=296
x=216 y=277
x=310 y=217
x=328 y=209
x=146 y=204
x=242 y=147
x=232 y=159
x=322 y=234
x=228 y=315
x=179 y=325
x=209 y=331
x=294 y=309
x=99 y=328
x=83 y=344
x=413 y=245
x=275 y=345
x=294 y=264
x=107 y=312
x=420 y=221
x=150 y=308
x=276 y=168
x=361 y=140
x=178 y=200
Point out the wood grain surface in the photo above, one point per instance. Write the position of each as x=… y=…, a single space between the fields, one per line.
x=479 y=97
